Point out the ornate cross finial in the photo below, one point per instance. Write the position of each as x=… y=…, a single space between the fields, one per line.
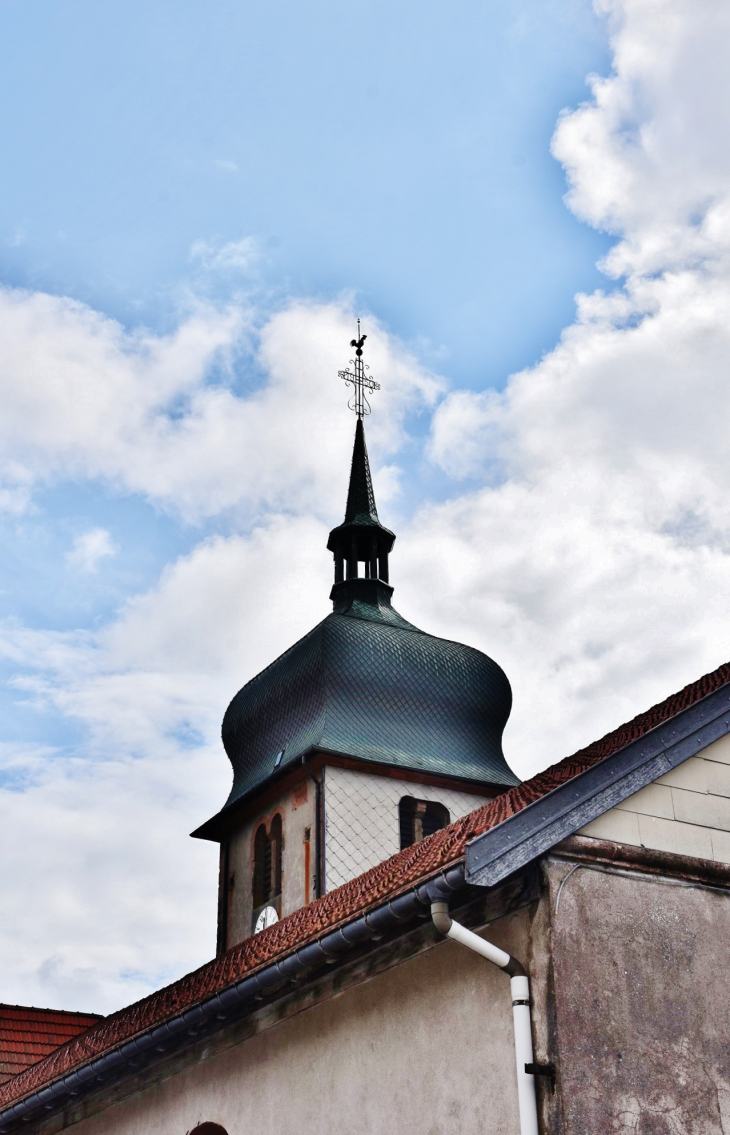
x=358 y=379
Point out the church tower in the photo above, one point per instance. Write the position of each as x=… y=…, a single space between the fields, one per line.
x=366 y=736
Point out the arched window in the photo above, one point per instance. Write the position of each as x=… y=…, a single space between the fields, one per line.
x=261 y=866
x=419 y=819
x=275 y=842
x=208 y=1129
x=267 y=847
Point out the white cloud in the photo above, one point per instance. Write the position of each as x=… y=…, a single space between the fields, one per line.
x=231 y=256
x=109 y=874
x=647 y=157
x=90 y=548
x=83 y=399
x=598 y=568
x=123 y=898
x=464 y=433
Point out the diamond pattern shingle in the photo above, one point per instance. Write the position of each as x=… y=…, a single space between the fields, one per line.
x=369 y=685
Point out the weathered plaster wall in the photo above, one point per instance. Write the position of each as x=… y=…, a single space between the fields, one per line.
x=686 y=811
x=361 y=818
x=641 y=1013
x=361 y=830
x=423 y=1048
x=297 y=810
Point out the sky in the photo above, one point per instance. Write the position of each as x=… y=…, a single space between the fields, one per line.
x=527 y=205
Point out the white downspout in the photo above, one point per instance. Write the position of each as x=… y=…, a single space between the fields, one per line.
x=520 y=988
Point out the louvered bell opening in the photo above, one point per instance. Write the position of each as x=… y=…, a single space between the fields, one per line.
x=419 y=819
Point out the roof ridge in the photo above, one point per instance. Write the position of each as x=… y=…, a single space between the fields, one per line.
x=41 y=1009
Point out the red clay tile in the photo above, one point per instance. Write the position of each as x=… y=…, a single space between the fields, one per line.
x=27 y=1034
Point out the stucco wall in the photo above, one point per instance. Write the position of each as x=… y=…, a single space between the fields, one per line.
x=423 y=1048
x=687 y=811
x=297 y=810
x=361 y=818
x=641 y=996
x=361 y=830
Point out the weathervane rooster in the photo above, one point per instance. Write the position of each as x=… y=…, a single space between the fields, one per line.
x=357 y=377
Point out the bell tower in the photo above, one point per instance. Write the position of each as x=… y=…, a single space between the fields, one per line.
x=366 y=736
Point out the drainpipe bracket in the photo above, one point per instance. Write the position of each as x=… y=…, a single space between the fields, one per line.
x=548 y=1071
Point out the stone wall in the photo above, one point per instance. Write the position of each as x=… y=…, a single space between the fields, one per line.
x=687 y=811
x=641 y=991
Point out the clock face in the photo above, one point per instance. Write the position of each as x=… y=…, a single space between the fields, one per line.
x=266 y=918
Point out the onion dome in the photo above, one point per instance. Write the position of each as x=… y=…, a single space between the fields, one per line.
x=367 y=684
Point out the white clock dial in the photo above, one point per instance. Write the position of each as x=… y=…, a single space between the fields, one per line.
x=266 y=918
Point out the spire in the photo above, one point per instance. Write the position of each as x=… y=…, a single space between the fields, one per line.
x=360 y=544
x=360 y=497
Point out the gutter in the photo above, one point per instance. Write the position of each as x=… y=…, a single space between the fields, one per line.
x=521 y=1017
x=184 y=1028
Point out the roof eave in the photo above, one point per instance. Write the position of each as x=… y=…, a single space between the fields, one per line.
x=219 y=826
x=571 y=805
x=270 y=982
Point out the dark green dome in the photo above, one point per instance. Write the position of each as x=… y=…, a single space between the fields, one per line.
x=367 y=684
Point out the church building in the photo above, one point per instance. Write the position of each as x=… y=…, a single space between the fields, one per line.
x=411 y=940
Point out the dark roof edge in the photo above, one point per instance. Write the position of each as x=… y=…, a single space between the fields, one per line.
x=569 y=806
x=186 y=1028
x=40 y=1009
x=219 y=825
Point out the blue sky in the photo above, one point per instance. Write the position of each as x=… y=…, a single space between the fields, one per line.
x=196 y=202
x=395 y=153
x=398 y=151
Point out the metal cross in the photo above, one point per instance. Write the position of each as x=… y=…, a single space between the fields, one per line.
x=358 y=379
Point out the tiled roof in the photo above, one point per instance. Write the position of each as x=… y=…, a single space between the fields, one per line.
x=364 y=686
x=389 y=879
x=27 y=1034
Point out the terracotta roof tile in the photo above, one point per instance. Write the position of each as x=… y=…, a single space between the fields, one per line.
x=387 y=880
x=28 y=1034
